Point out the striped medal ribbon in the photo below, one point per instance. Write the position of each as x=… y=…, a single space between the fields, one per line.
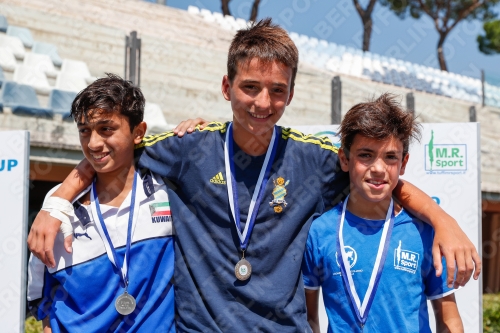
x=243 y=269
x=125 y=303
x=362 y=309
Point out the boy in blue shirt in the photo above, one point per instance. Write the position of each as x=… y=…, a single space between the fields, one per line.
x=118 y=276
x=372 y=258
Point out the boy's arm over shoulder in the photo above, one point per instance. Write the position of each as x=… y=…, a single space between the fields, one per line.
x=325 y=164
x=447 y=316
x=450 y=241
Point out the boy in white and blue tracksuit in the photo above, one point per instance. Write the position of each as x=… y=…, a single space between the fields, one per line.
x=124 y=213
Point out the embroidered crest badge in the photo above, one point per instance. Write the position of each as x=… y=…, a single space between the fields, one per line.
x=279 y=193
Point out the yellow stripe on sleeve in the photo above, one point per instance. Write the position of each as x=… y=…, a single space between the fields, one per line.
x=152 y=139
x=324 y=142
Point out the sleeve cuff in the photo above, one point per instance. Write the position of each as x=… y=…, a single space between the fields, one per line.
x=311 y=288
x=433 y=297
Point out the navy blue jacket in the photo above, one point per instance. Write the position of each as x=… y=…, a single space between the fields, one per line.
x=208 y=297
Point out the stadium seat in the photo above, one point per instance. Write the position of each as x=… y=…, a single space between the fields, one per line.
x=70 y=82
x=33 y=77
x=23 y=101
x=367 y=63
x=207 y=15
x=346 y=60
x=231 y=21
x=60 y=102
x=242 y=23
x=392 y=71
x=24 y=34
x=7 y=59
x=154 y=118
x=75 y=67
x=350 y=50
x=396 y=78
x=3 y=23
x=309 y=57
x=333 y=50
x=218 y=16
x=356 y=66
x=14 y=44
x=294 y=36
x=333 y=64
x=41 y=62
x=48 y=49
x=386 y=78
x=406 y=79
x=377 y=76
x=322 y=59
x=221 y=21
x=322 y=46
x=193 y=10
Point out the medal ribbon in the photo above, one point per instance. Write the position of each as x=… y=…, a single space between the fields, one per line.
x=103 y=231
x=362 y=309
x=260 y=187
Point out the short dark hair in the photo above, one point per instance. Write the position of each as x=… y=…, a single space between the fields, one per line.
x=379 y=119
x=265 y=41
x=110 y=94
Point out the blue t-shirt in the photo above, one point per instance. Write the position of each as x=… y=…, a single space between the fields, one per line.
x=208 y=297
x=79 y=294
x=408 y=278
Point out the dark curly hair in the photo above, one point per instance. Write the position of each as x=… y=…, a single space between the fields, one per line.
x=379 y=119
x=110 y=94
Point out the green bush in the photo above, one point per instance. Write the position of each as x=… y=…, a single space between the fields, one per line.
x=33 y=326
x=491 y=313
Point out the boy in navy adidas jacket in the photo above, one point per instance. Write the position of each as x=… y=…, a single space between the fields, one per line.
x=370 y=256
x=118 y=276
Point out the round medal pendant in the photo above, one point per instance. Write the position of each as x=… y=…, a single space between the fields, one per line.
x=243 y=270
x=125 y=304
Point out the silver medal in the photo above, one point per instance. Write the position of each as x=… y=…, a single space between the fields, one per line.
x=125 y=304
x=243 y=270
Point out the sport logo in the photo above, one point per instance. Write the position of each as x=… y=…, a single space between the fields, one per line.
x=352 y=256
x=160 y=212
x=218 y=179
x=445 y=158
x=405 y=260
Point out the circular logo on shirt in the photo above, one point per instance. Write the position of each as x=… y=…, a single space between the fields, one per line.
x=351 y=255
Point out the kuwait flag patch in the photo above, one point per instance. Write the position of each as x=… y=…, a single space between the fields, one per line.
x=160 y=212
